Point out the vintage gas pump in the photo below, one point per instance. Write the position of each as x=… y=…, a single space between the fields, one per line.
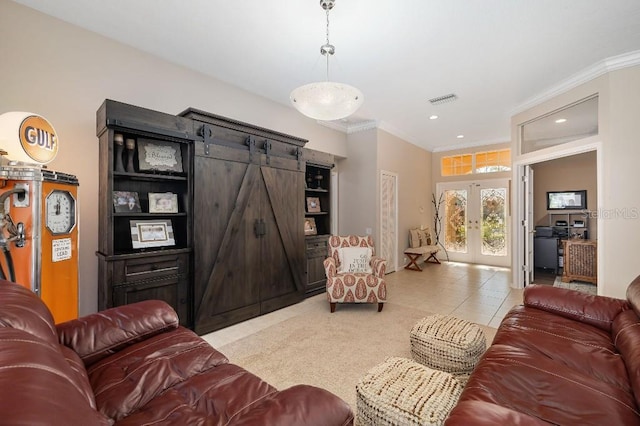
x=38 y=214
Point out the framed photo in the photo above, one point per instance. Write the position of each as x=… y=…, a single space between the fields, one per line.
x=125 y=201
x=159 y=156
x=313 y=204
x=310 y=226
x=151 y=233
x=163 y=202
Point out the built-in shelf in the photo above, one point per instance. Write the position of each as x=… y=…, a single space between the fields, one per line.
x=141 y=214
x=147 y=176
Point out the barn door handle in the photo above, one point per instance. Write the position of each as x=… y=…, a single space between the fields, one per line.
x=259 y=227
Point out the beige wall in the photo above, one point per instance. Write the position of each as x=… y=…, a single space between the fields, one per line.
x=369 y=153
x=357 y=184
x=575 y=172
x=64 y=73
x=411 y=164
x=619 y=203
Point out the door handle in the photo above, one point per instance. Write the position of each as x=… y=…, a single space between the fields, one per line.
x=259 y=228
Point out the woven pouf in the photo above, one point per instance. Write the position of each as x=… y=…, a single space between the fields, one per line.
x=403 y=392
x=447 y=343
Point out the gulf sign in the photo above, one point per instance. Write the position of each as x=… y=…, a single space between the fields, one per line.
x=28 y=137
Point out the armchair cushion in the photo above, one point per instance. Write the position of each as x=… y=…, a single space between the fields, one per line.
x=354 y=259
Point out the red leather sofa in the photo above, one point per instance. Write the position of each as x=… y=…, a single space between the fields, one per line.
x=134 y=365
x=563 y=357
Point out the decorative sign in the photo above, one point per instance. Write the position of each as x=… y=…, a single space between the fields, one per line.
x=28 y=137
x=151 y=233
x=159 y=156
x=61 y=249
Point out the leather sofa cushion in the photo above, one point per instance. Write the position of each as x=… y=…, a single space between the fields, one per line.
x=598 y=311
x=99 y=335
x=626 y=337
x=546 y=389
x=40 y=387
x=126 y=381
x=481 y=413
x=177 y=378
x=23 y=310
x=570 y=344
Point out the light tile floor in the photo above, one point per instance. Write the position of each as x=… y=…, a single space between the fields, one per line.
x=477 y=293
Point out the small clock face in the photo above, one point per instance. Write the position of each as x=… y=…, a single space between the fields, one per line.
x=61 y=212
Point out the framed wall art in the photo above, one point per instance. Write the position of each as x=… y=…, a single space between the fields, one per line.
x=126 y=202
x=310 y=226
x=159 y=156
x=313 y=204
x=163 y=202
x=151 y=233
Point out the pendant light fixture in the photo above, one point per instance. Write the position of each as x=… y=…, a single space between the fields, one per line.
x=327 y=100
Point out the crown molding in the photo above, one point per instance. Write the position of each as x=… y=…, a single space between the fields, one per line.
x=348 y=128
x=600 y=68
x=505 y=140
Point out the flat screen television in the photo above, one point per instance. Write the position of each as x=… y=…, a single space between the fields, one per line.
x=567 y=200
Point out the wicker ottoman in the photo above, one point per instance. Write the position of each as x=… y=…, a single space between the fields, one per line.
x=403 y=392
x=448 y=344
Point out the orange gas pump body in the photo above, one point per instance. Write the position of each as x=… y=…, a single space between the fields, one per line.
x=47 y=263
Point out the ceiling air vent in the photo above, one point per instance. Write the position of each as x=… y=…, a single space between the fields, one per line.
x=443 y=99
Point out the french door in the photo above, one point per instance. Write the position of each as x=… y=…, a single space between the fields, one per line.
x=476 y=221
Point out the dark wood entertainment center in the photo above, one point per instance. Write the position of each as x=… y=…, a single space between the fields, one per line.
x=239 y=247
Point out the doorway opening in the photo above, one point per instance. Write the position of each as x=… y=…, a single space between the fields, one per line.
x=540 y=254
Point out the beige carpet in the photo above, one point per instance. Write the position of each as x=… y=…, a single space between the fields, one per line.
x=331 y=351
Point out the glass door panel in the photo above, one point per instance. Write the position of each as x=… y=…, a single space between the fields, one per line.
x=455 y=220
x=476 y=221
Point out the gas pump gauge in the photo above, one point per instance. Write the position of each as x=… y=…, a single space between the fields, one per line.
x=60 y=211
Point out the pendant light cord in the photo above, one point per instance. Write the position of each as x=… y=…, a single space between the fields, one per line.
x=327 y=54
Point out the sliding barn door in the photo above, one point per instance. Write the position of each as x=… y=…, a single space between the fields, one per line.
x=248 y=236
x=282 y=244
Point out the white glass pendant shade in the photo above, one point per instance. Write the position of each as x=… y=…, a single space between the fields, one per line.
x=326 y=100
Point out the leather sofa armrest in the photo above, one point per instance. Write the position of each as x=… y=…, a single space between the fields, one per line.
x=598 y=311
x=96 y=336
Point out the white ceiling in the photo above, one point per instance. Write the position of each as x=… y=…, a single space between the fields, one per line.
x=495 y=55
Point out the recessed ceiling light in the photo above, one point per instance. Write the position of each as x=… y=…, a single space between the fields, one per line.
x=433 y=117
x=561 y=120
x=460 y=136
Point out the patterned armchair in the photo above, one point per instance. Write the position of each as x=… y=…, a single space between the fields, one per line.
x=354 y=287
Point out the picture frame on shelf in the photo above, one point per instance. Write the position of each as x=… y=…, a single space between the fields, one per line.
x=126 y=202
x=310 y=227
x=159 y=156
x=163 y=202
x=151 y=233
x=313 y=205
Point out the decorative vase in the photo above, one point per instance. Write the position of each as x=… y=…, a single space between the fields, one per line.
x=118 y=141
x=131 y=145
